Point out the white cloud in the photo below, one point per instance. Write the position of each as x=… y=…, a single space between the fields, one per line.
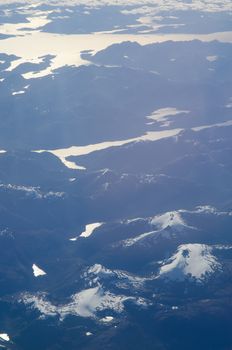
x=144 y=6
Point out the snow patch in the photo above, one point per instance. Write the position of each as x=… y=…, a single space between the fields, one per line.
x=73 y=239
x=107 y=319
x=4 y=336
x=88 y=334
x=212 y=58
x=18 y=92
x=38 y=271
x=31 y=191
x=130 y=221
x=203 y=127
x=89 y=229
x=99 y=269
x=85 y=303
x=169 y=219
x=175 y=307
x=122 y=279
x=131 y=241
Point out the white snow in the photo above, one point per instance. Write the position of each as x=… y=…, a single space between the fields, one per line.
x=18 y=92
x=88 y=334
x=161 y=222
x=89 y=229
x=223 y=247
x=129 y=221
x=169 y=219
x=203 y=127
x=208 y=209
x=212 y=58
x=190 y=260
x=131 y=241
x=85 y=303
x=99 y=269
x=32 y=191
x=123 y=279
x=70 y=165
x=37 y=271
x=4 y=336
x=107 y=319
x=73 y=239
x=172 y=219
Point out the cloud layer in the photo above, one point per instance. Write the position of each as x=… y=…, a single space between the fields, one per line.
x=159 y=5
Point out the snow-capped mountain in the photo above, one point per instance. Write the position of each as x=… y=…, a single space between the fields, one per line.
x=191 y=260
x=115 y=175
